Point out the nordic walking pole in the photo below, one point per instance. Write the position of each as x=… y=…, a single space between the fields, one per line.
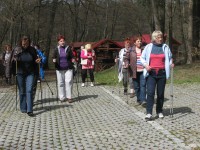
x=77 y=81
x=40 y=83
x=77 y=87
x=48 y=86
x=171 y=93
x=56 y=88
x=128 y=82
x=16 y=83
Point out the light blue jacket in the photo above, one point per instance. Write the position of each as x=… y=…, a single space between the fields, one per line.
x=145 y=58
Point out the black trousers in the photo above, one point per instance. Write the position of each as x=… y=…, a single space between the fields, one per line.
x=84 y=74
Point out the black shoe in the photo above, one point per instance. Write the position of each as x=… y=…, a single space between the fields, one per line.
x=30 y=114
x=125 y=92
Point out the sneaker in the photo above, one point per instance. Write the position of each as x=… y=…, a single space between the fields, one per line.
x=160 y=115
x=143 y=103
x=148 y=117
x=62 y=99
x=38 y=81
x=132 y=95
x=83 y=84
x=91 y=84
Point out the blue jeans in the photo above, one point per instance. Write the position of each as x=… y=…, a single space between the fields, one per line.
x=25 y=85
x=140 y=87
x=155 y=80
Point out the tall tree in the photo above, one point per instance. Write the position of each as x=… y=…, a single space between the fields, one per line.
x=181 y=16
x=196 y=23
x=158 y=9
x=50 y=27
x=190 y=38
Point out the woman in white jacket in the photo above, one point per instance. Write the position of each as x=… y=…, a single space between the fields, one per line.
x=157 y=59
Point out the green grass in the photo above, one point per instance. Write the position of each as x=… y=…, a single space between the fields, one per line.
x=107 y=77
x=187 y=74
x=182 y=74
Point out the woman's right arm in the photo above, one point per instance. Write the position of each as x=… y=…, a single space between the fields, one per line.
x=83 y=55
x=143 y=59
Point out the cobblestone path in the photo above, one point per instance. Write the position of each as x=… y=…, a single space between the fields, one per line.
x=102 y=119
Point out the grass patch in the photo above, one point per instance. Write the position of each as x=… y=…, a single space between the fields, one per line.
x=182 y=74
x=107 y=77
x=187 y=74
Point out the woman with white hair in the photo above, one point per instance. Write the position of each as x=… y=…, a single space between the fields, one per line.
x=87 y=62
x=157 y=60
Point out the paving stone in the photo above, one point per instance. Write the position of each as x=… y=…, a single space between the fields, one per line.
x=101 y=122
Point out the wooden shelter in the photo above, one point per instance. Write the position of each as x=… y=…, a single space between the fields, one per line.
x=105 y=50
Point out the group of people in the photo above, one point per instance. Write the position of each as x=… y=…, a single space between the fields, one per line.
x=9 y=64
x=148 y=68
x=26 y=62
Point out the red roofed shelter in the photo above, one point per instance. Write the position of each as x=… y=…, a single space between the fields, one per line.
x=106 y=51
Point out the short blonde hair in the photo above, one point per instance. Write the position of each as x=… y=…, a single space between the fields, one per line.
x=155 y=34
x=88 y=46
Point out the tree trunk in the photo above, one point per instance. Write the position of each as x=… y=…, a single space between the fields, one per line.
x=37 y=32
x=106 y=22
x=155 y=15
x=196 y=23
x=50 y=28
x=114 y=19
x=190 y=25
x=181 y=17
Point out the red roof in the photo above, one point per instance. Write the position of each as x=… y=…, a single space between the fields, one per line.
x=95 y=45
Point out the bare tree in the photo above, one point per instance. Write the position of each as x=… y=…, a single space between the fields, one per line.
x=50 y=27
x=190 y=25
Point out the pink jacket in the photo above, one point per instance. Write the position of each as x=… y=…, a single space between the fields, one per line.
x=87 y=63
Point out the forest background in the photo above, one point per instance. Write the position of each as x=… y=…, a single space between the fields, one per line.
x=93 y=20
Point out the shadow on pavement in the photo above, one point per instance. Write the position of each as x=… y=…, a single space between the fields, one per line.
x=180 y=110
x=46 y=100
x=49 y=108
x=84 y=97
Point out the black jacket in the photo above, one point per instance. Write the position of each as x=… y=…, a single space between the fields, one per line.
x=69 y=56
x=25 y=60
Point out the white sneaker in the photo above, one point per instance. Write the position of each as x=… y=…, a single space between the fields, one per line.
x=148 y=117
x=160 y=115
x=62 y=99
x=91 y=84
x=83 y=84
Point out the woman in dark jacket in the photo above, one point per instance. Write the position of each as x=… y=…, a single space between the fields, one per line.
x=26 y=61
x=136 y=69
x=62 y=58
